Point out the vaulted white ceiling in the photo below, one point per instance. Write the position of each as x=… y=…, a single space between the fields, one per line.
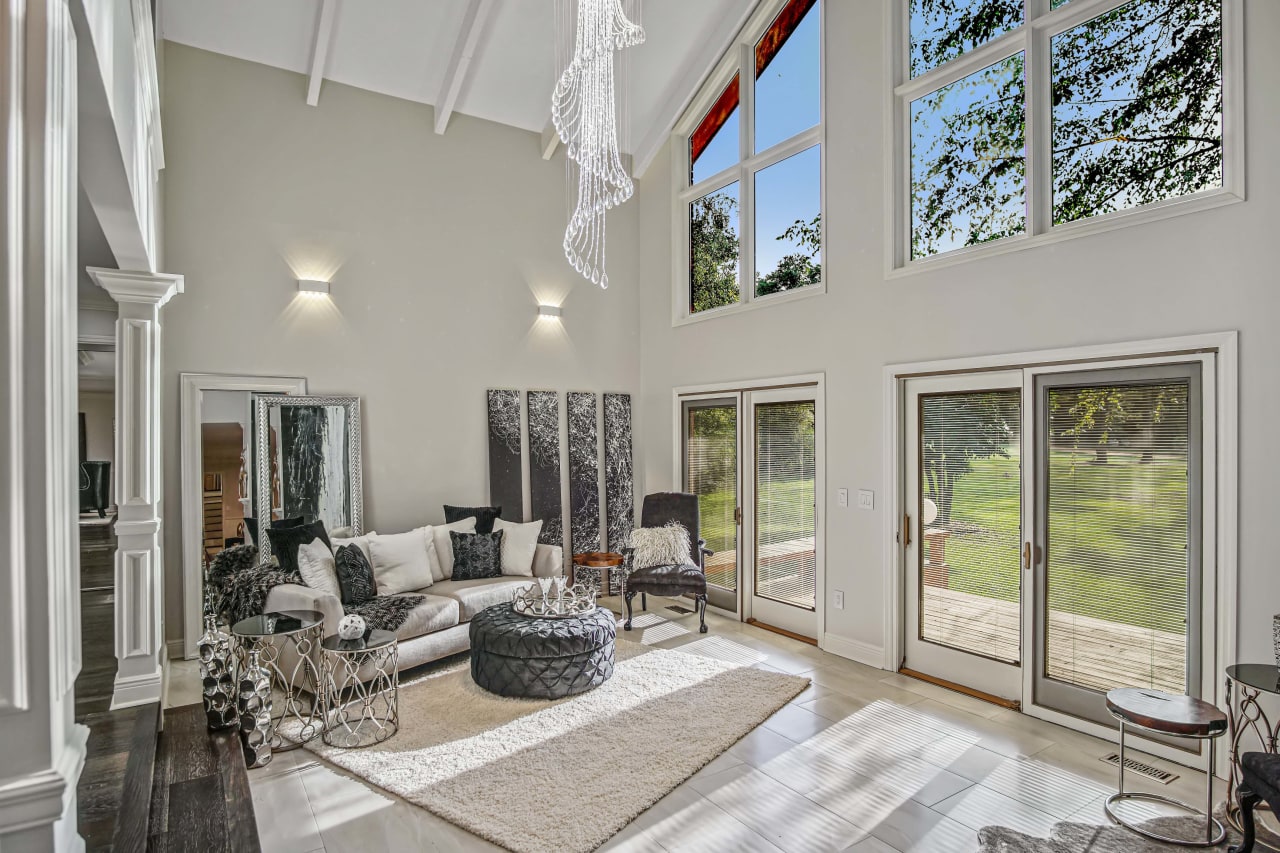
x=494 y=59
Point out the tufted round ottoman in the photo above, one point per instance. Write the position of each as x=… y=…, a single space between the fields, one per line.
x=533 y=658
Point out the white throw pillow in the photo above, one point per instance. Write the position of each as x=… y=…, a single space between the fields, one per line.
x=361 y=542
x=442 y=568
x=315 y=564
x=519 y=542
x=402 y=561
x=660 y=546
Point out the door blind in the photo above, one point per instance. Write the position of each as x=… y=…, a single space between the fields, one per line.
x=711 y=473
x=1119 y=498
x=786 y=562
x=970 y=522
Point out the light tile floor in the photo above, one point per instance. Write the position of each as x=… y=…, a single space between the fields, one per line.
x=863 y=760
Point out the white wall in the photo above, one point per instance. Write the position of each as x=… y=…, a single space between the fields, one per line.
x=99 y=408
x=1204 y=272
x=439 y=249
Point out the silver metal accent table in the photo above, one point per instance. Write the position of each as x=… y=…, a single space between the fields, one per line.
x=295 y=683
x=1245 y=716
x=1180 y=716
x=360 y=698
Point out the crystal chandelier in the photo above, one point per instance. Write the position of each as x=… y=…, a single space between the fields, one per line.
x=584 y=111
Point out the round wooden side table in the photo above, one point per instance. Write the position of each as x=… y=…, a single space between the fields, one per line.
x=1170 y=715
x=592 y=569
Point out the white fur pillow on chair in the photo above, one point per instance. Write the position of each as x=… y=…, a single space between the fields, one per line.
x=660 y=546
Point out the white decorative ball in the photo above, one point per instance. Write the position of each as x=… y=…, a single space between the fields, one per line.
x=351 y=627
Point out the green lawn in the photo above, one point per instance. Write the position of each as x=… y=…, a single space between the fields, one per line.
x=716 y=510
x=1095 y=542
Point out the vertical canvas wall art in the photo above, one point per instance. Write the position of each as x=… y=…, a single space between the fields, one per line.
x=506 y=486
x=619 y=480
x=544 y=465
x=584 y=473
x=313 y=442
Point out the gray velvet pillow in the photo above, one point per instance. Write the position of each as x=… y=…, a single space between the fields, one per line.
x=476 y=555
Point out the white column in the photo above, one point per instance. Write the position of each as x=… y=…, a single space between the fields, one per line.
x=139 y=570
x=41 y=748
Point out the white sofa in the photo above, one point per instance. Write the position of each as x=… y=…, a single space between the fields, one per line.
x=439 y=626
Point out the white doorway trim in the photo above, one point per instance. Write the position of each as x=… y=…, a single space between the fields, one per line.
x=1225 y=381
x=816 y=381
x=193 y=386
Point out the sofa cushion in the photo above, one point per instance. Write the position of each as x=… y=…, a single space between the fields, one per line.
x=476 y=555
x=435 y=613
x=402 y=561
x=442 y=568
x=474 y=596
x=484 y=515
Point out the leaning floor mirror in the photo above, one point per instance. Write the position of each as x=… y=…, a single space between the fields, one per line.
x=308 y=461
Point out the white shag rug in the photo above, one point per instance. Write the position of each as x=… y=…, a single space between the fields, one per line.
x=540 y=776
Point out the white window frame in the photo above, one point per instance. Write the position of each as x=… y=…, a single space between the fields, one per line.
x=1032 y=38
x=740 y=59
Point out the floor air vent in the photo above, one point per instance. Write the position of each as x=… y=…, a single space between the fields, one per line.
x=676 y=608
x=1164 y=777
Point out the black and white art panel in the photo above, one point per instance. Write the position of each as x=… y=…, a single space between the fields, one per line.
x=506 y=488
x=313 y=443
x=619 y=479
x=584 y=473
x=544 y=465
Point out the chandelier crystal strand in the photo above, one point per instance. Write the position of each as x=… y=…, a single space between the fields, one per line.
x=584 y=111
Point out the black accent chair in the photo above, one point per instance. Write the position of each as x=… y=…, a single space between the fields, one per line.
x=687 y=579
x=1261 y=781
x=95 y=480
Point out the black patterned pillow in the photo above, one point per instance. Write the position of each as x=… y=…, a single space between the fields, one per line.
x=286 y=540
x=355 y=575
x=484 y=515
x=476 y=555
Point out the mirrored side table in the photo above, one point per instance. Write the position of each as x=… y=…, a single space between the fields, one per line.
x=360 y=689
x=1250 y=730
x=288 y=643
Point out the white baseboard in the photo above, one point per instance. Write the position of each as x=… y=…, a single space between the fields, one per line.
x=854 y=650
x=138 y=690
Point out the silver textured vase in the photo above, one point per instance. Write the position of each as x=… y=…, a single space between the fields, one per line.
x=218 y=683
x=254 y=706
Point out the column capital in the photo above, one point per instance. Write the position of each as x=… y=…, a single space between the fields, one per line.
x=137 y=286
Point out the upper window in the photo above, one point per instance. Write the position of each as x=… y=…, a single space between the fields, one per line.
x=751 y=171
x=1017 y=124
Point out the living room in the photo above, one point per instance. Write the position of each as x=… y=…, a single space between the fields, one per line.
x=891 y=478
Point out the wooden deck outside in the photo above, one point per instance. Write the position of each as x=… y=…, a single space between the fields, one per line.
x=1083 y=650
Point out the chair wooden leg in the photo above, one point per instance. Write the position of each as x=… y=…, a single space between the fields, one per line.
x=644 y=602
x=702 y=613
x=626 y=626
x=1248 y=799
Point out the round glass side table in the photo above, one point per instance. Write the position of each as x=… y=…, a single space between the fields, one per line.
x=360 y=689
x=1250 y=730
x=288 y=643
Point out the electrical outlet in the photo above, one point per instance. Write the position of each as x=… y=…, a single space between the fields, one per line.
x=838 y=599
x=866 y=499
x=842 y=497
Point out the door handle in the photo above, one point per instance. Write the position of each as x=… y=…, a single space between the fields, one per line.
x=737 y=515
x=1026 y=556
x=906 y=531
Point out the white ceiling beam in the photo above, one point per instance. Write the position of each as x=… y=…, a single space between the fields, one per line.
x=474 y=22
x=320 y=51
x=550 y=140
x=720 y=32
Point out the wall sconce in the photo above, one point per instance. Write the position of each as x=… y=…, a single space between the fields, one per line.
x=550 y=311
x=309 y=285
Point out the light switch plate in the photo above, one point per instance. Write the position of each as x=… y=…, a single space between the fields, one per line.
x=837 y=599
x=866 y=499
x=842 y=497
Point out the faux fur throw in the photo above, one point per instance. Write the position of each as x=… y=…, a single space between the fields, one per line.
x=240 y=588
x=660 y=546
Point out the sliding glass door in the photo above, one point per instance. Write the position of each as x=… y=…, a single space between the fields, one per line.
x=1054 y=532
x=711 y=471
x=1118 y=535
